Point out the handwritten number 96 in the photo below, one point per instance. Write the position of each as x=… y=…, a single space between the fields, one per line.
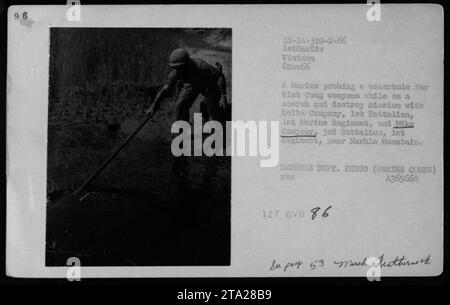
x=316 y=210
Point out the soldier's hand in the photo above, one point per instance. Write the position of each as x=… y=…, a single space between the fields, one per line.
x=152 y=110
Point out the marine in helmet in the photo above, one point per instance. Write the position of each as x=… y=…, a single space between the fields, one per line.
x=197 y=77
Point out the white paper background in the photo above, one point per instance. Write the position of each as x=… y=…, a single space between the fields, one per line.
x=369 y=217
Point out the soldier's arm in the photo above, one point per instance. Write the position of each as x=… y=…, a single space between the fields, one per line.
x=223 y=91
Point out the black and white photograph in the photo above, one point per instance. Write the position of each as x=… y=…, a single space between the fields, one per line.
x=117 y=196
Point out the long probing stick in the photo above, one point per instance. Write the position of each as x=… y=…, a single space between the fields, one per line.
x=113 y=154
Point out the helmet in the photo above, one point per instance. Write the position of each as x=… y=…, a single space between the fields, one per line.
x=179 y=57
